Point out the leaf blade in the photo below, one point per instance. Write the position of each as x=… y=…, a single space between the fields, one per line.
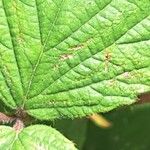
x=82 y=63
x=29 y=138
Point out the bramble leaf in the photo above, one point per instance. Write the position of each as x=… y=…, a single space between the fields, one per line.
x=71 y=58
x=36 y=137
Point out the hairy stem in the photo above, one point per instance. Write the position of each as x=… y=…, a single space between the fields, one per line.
x=19 y=125
x=6 y=119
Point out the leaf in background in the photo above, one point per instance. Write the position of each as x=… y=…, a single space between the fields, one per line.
x=130 y=130
x=37 y=137
x=71 y=58
x=75 y=130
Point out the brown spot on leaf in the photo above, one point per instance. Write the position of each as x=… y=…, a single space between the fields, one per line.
x=55 y=67
x=66 y=56
x=77 y=47
x=107 y=59
x=107 y=56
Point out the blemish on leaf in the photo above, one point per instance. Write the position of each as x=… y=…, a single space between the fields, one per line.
x=77 y=47
x=112 y=82
x=20 y=38
x=126 y=75
x=81 y=46
x=55 y=67
x=107 y=58
x=66 y=56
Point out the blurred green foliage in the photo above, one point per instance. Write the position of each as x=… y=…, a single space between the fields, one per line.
x=130 y=130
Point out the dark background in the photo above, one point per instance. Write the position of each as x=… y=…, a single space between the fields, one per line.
x=130 y=129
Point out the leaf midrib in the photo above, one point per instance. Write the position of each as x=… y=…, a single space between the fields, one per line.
x=43 y=47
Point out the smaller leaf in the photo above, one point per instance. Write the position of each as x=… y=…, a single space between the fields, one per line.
x=36 y=137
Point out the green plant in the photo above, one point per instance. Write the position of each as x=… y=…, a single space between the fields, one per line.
x=68 y=59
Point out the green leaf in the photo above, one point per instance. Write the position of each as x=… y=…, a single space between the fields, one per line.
x=129 y=130
x=35 y=137
x=71 y=58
